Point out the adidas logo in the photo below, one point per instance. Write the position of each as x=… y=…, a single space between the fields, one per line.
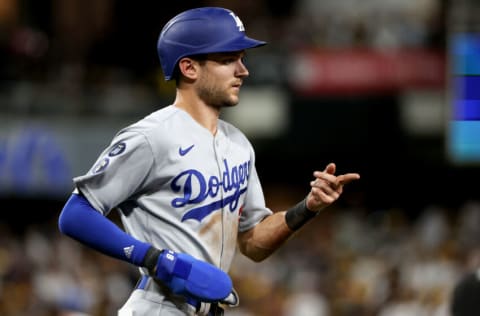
x=128 y=251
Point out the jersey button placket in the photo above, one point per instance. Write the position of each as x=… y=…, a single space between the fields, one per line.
x=218 y=157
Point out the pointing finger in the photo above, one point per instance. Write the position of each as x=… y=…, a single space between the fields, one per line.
x=346 y=178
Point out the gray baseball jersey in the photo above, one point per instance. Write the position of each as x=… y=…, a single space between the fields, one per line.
x=177 y=186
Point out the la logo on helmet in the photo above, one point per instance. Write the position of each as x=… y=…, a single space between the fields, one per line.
x=240 y=26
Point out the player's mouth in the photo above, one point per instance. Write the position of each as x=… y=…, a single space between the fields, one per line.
x=237 y=85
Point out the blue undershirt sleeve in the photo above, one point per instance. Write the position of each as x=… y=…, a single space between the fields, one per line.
x=80 y=221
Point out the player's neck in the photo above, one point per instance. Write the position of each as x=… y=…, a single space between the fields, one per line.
x=205 y=115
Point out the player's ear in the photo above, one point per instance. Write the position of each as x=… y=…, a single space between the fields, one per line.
x=188 y=67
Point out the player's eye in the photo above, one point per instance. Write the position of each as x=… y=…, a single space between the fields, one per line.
x=229 y=60
x=226 y=59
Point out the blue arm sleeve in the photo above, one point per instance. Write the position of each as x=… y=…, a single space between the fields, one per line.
x=80 y=221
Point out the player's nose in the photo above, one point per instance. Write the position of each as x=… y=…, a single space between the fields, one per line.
x=242 y=70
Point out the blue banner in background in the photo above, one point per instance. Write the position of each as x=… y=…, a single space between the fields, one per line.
x=464 y=52
x=464 y=127
x=40 y=156
x=32 y=162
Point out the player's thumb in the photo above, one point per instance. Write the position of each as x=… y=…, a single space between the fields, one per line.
x=331 y=168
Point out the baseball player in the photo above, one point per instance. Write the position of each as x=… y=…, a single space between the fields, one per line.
x=184 y=181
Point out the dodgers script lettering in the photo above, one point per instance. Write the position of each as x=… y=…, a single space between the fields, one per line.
x=195 y=188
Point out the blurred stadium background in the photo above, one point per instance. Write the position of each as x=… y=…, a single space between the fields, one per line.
x=371 y=85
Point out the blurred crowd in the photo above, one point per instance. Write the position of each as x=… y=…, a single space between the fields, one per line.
x=349 y=261
x=79 y=57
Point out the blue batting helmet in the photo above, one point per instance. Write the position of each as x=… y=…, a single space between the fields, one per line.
x=201 y=31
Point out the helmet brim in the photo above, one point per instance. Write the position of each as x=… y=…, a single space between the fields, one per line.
x=237 y=44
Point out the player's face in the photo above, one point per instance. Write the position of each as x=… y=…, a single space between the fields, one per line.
x=221 y=78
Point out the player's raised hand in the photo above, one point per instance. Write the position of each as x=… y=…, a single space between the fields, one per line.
x=327 y=187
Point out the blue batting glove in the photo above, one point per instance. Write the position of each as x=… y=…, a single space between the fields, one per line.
x=191 y=277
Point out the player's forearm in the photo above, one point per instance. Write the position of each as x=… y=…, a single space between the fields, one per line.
x=266 y=237
x=80 y=221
